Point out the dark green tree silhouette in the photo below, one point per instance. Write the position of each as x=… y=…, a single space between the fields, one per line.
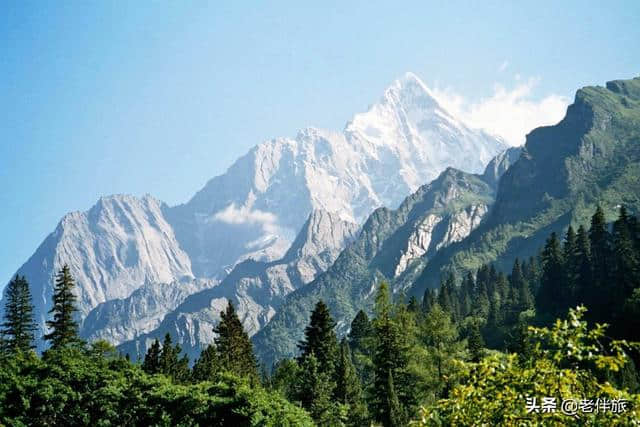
x=348 y=389
x=320 y=339
x=64 y=329
x=18 y=327
x=170 y=363
x=207 y=366
x=235 y=351
x=151 y=363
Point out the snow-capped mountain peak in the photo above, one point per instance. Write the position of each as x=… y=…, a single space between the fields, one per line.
x=257 y=207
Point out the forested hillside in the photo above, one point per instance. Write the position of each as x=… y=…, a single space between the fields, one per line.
x=481 y=350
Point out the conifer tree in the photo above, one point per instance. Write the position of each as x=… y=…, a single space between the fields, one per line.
x=475 y=343
x=549 y=296
x=320 y=339
x=361 y=331
x=391 y=354
x=428 y=300
x=18 y=327
x=235 y=351
x=151 y=363
x=394 y=415
x=532 y=273
x=600 y=244
x=64 y=329
x=583 y=264
x=440 y=337
x=207 y=365
x=413 y=305
x=572 y=263
x=523 y=299
x=361 y=341
x=348 y=389
x=314 y=391
x=170 y=362
x=626 y=274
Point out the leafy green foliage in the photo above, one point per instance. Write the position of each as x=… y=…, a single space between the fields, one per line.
x=564 y=365
x=72 y=386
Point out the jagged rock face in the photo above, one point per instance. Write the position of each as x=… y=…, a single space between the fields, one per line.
x=436 y=232
x=256 y=288
x=499 y=165
x=435 y=216
x=119 y=244
x=119 y=320
x=403 y=141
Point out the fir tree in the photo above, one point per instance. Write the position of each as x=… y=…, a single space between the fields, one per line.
x=207 y=365
x=600 y=243
x=64 y=329
x=428 y=300
x=314 y=391
x=151 y=363
x=439 y=335
x=523 y=299
x=361 y=331
x=583 y=264
x=475 y=343
x=18 y=327
x=235 y=351
x=572 y=263
x=413 y=305
x=170 y=362
x=361 y=341
x=391 y=354
x=348 y=389
x=320 y=339
x=549 y=297
x=532 y=274
x=394 y=414
x=626 y=274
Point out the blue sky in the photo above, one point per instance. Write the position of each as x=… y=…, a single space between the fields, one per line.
x=102 y=97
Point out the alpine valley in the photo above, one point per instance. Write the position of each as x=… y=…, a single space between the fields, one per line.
x=405 y=194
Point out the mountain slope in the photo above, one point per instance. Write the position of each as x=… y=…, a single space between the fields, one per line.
x=592 y=157
x=119 y=320
x=256 y=288
x=435 y=216
x=111 y=249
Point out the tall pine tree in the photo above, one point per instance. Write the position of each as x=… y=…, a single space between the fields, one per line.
x=348 y=389
x=151 y=363
x=235 y=352
x=391 y=356
x=170 y=363
x=598 y=295
x=207 y=365
x=64 y=329
x=18 y=327
x=320 y=339
x=549 y=297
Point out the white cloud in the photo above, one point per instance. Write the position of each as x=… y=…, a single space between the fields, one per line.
x=509 y=113
x=244 y=215
x=503 y=66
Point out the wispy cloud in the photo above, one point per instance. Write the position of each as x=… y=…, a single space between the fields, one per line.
x=509 y=113
x=503 y=66
x=244 y=215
